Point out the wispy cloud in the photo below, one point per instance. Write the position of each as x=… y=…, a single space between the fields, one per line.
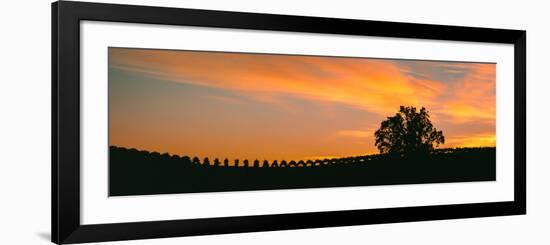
x=454 y=93
x=374 y=85
x=473 y=97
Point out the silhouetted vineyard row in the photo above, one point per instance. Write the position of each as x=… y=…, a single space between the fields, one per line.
x=205 y=162
x=135 y=172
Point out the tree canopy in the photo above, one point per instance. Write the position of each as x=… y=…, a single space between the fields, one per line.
x=408 y=132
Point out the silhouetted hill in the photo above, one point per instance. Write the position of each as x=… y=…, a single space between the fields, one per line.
x=135 y=172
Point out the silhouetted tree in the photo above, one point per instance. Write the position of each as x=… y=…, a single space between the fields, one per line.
x=292 y=164
x=283 y=164
x=256 y=163
x=217 y=162
x=206 y=162
x=236 y=162
x=275 y=164
x=309 y=163
x=408 y=132
x=186 y=160
x=301 y=163
x=153 y=155
x=165 y=156
x=317 y=163
x=226 y=162
x=245 y=163
x=196 y=161
x=265 y=164
x=143 y=153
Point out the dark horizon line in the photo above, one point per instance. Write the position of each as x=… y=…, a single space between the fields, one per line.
x=322 y=159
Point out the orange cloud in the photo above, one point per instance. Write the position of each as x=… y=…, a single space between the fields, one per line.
x=375 y=85
x=454 y=93
x=473 y=97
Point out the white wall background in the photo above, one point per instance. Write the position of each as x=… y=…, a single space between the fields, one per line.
x=25 y=121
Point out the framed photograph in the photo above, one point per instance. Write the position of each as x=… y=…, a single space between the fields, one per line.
x=174 y=122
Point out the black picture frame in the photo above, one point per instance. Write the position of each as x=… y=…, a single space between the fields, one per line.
x=66 y=17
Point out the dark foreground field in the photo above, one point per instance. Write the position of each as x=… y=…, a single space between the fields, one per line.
x=133 y=172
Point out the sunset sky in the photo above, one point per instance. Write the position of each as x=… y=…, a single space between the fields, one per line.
x=287 y=107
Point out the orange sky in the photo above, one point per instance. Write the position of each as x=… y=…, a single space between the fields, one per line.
x=260 y=106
